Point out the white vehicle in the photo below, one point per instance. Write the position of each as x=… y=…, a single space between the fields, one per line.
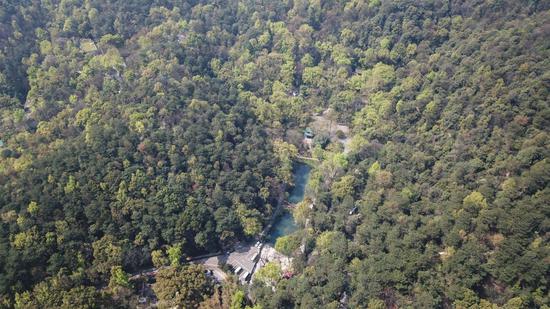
x=238 y=270
x=254 y=257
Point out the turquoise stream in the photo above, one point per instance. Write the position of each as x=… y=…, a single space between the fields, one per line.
x=285 y=224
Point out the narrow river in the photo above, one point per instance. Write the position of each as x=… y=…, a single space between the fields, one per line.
x=285 y=224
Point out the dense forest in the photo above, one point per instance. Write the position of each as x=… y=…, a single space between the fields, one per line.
x=138 y=133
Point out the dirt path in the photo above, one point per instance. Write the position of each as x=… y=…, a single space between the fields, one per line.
x=323 y=123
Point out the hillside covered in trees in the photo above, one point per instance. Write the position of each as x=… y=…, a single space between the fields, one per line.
x=139 y=133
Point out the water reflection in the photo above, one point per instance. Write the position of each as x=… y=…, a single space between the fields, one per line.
x=285 y=224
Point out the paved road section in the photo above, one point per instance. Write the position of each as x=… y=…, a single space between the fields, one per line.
x=244 y=258
x=213 y=264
